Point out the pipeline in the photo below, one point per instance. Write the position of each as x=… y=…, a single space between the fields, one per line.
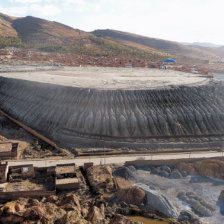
x=144 y=137
x=33 y=132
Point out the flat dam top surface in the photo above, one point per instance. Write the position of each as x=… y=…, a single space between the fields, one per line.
x=107 y=78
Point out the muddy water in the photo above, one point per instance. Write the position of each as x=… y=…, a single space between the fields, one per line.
x=146 y=220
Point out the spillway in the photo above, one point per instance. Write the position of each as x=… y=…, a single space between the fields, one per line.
x=91 y=107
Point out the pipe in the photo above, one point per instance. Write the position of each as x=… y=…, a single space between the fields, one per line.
x=33 y=132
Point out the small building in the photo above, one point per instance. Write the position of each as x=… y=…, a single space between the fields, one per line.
x=44 y=171
x=67 y=184
x=65 y=170
x=8 y=150
x=23 y=181
x=66 y=178
x=23 y=172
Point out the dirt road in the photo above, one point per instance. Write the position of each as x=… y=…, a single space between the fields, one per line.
x=116 y=159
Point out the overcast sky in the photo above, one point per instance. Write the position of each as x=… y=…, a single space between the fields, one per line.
x=179 y=20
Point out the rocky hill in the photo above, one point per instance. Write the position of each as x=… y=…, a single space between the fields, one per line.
x=6 y=28
x=39 y=31
x=32 y=32
x=35 y=33
x=170 y=47
x=219 y=51
x=202 y=44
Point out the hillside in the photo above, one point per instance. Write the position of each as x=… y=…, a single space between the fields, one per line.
x=169 y=47
x=219 y=51
x=8 y=35
x=202 y=44
x=39 y=32
x=6 y=28
x=36 y=33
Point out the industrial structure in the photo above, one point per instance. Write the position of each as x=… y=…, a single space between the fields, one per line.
x=37 y=182
x=8 y=150
x=117 y=108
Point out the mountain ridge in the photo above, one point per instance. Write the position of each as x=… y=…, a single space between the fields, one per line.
x=202 y=44
x=36 y=33
x=170 y=47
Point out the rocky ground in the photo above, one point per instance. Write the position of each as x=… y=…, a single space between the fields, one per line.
x=17 y=56
x=190 y=191
x=109 y=198
x=80 y=207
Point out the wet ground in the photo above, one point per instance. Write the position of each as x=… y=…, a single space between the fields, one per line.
x=207 y=188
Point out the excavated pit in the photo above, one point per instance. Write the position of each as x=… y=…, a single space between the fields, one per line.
x=111 y=107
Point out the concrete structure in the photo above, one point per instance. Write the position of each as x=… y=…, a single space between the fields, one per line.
x=29 y=181
x=8 y=150
x=17 y=173
x=22 y=181
x=66 y=178
x=67 y=184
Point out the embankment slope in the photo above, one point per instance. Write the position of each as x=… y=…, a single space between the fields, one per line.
x=74 y=113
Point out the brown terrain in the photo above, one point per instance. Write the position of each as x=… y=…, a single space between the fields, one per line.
x=31 y=32
x=169 y=47
x=6 y=28
x=35 y=33
x=108 y=197
x=30 y=40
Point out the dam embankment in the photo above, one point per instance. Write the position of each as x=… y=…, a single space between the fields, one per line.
x=95 y=117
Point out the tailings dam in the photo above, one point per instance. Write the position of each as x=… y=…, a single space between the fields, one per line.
x=116 y=107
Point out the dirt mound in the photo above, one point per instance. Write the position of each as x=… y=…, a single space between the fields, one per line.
x=99 y=176
x=208 y=168
x=132 y=195
x=125 y=173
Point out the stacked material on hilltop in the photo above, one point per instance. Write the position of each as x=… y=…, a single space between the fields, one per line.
x=83 y=106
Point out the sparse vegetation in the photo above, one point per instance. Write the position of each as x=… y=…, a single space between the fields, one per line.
x=110 y=48
x=10 y=42
x=34 y=33
x=108 y=180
